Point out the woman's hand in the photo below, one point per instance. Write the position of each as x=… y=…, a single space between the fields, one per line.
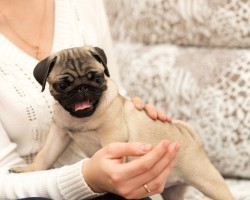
x=151 y=111
x=107 y=172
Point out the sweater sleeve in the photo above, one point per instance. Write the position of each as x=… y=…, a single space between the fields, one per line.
x=8 y=154
x=61 y=183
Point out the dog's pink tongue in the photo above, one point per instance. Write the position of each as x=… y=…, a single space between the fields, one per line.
x=82 y=105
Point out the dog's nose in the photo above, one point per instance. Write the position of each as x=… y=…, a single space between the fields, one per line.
x=82 y=89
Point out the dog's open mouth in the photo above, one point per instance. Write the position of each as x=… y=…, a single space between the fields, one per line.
x=81 y=102
x=84 y=108
x=82 y=105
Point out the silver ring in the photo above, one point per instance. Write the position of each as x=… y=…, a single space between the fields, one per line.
x=146 y=188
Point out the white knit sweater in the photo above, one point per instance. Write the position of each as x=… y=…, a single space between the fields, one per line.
x=25 y=112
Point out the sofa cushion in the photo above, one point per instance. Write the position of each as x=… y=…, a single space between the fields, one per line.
x=200 y=23
x=209 y=88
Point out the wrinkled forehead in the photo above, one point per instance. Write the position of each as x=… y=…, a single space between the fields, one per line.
x=74 y=56
x=76 y=62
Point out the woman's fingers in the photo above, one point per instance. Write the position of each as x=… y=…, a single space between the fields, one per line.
x=151 y=111
x=161 y=116
x=145 y=163
x=159 y=168
x=149 y=108
x=128 y=179
x=108 y=163
x=155 y=177
x=138 y=103
x=120 y=149
x=158 y=174
x=154 y=114
x=156 y=185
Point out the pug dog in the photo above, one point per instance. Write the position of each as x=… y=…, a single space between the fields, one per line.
x=90 y=111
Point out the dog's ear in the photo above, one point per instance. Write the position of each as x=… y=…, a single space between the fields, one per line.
x=100 y=56
x=42 y=71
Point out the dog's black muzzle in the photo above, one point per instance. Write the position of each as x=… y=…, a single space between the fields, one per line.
x=82 y=101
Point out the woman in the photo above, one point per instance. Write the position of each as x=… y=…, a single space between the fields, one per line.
x=30 y=30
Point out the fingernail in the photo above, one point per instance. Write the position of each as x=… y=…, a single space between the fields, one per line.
x=168 y=119
x=146 y=147
x=165 y=145
x=139 y=105
x=177 y=147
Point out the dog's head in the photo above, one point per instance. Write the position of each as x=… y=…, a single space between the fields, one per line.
x=77 y=78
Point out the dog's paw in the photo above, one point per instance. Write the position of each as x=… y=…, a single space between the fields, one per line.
x=16 y=169
x=21 y=169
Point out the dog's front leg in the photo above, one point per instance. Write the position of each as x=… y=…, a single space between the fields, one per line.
x=56 y=142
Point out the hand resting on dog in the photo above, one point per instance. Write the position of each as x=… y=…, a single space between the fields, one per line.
x=106 y=170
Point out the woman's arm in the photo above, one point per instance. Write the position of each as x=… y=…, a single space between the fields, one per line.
x=55 y=184
x=8 y=154
x=61 y=183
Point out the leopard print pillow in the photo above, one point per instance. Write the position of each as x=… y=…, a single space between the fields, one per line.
x=201 y=23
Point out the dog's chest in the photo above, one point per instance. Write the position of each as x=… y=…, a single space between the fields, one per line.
x=88 y=141
x=63 y=119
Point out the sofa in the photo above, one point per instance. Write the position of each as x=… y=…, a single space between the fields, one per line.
x=191 y=59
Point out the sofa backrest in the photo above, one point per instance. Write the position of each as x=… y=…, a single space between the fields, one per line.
x=217 y=23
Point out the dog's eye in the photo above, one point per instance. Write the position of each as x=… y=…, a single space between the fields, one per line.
x=94 y=76
x=99 y=79
x=61 y=86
